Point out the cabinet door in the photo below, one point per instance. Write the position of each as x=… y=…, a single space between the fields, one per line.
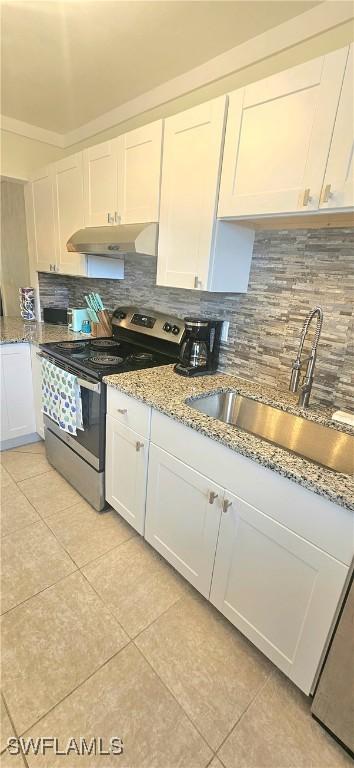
x=43 y=220
x=37 y=389
x=276 y=588
x=17 y=409
x=277 y=139
x=140 y=174
x=126 y=472
x=182 y=517
x=189 y=187
x=338 y=185
x=101 y=183
x=69 y=209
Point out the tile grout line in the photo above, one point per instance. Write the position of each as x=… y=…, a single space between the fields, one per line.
x=249 y=705
x=29 y=453
x=108 y=551
x=242 y=714
x=141 y=632
x=177 y=702
x=27 y=525
x=17 y=530
x=104 y=605
x=13 y=726
x=40 y=592
x=65 y=509
x=57 y=703
x=23 y=479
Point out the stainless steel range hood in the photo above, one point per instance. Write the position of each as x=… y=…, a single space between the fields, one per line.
x=115 y=241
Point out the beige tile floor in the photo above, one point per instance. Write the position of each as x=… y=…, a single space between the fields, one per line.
x=100 y=637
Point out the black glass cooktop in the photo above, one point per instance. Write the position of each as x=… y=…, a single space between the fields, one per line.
x=102 y=357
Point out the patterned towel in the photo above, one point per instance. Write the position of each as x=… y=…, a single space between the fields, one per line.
x=61 y=397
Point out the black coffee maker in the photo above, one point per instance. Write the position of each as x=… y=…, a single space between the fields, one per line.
x=199 y=353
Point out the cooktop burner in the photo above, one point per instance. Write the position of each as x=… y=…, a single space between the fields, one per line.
x=75 y=345
x=108 y=360
x=141 y=357
x=104 y=344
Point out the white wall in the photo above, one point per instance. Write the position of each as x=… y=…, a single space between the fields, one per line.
x=21 y=156
x=14 y=253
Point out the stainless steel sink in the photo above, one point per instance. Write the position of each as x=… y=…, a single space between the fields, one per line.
x=323 y=445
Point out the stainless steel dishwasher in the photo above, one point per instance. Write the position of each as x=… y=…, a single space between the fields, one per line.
x=333 y=703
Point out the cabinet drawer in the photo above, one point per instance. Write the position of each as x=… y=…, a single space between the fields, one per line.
x=128 y=411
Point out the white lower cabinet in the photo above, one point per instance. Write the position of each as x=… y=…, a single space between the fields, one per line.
x=126 y=472
x=270 y=555
x=17 y=409
x=276 y=588
x=182 y=517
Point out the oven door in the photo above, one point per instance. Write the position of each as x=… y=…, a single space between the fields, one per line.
x=89 y=443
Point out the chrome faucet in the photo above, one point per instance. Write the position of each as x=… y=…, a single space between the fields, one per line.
x=307 y=381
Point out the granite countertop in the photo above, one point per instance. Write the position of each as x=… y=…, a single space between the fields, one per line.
x=165 y=391
x=14 y=330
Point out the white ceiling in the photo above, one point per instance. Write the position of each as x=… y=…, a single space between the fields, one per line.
x=66 y=63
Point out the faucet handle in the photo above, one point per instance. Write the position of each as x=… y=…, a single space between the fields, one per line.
x=295 y=375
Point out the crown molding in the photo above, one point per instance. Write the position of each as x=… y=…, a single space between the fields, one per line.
x=297 y=30
x=32 y=131
x=309 y=24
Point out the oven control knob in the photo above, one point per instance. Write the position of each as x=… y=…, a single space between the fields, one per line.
x=121 y=315
x=167 y=327
x=175 y=329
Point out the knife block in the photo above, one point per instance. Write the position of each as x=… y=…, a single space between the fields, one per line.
x=104 y=327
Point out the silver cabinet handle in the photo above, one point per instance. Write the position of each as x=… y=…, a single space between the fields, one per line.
x=326 y=194
x=122 y=410
x=117 y=217
x=138 y=445
x=226 y=505
x=197 y=282
x=212 y=497
x=51 y=267
x=110 y=218
x=306 y=197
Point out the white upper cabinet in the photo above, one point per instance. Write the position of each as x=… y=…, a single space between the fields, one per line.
x=122 y=178
x=139 y=174
x=101 y=184
x=69 y=212
x=40 y=213
x=278 y=137
x=338 y=185
x=196 y=251
x=190 y=175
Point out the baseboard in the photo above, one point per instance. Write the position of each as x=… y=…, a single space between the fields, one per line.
x=15 y=442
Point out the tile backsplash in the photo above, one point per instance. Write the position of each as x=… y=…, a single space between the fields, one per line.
x=292 y=271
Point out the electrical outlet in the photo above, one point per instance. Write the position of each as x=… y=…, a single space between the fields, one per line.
x=225 y=330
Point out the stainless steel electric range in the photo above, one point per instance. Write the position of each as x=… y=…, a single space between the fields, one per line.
x=141 y=339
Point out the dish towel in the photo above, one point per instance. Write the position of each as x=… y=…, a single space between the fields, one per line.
x=61 y=397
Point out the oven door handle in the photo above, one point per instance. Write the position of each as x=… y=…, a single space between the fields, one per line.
x=85 y=383
x=89 y=385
